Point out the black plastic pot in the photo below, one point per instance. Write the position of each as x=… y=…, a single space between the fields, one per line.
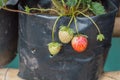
x=35 y=3
x=8 y=35
x=35 y=34
x=116 y=2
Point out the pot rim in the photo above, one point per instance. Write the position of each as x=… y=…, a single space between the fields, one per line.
x=113 y=11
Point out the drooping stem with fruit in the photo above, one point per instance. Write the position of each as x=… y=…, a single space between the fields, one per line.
x=100 y=36
x=53 y=29
x=70 y=21
x=70 y=8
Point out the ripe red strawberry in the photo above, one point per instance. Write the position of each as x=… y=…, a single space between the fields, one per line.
x=79 y=43
x=65 y=34
x=54 y=48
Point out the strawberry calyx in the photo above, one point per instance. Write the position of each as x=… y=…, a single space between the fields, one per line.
x=100 y=37
x=67 y=29
x=77 y=35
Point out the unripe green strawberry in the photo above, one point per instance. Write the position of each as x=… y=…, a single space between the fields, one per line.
x=54 y=48
x=65 y=34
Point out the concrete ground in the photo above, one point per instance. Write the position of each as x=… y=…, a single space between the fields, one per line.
x=11 y=74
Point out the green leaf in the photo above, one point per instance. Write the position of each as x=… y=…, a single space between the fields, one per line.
x=71 y=3
x=97 y=8
x=3 y=2
x=27 y=9
x=100 y=37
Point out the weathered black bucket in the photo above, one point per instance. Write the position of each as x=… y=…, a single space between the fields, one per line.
x=8 y=35
x=116 y=2
x=35 y=61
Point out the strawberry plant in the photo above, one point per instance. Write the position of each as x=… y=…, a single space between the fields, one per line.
x=72 y=9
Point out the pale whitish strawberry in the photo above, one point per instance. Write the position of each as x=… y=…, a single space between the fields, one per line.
x=65 y=34
x=54 y=48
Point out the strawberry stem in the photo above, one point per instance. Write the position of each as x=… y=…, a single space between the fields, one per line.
x=63 y=2
x=70 y=21
x=13 y=10
x=90 y=20
x=59 y=6
x=41 y=9
x=77 y=6
x=85 y=10
x=53 y=29
x=76 y=26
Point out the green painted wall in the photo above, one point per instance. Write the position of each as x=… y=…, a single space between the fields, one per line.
x=113 y=59
x=14 y=63
x=112 y=62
